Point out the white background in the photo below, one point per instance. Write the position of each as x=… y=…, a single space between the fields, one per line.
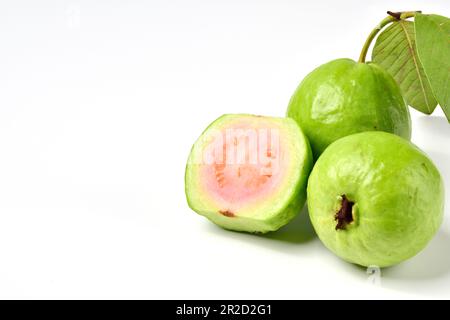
x=100 y=103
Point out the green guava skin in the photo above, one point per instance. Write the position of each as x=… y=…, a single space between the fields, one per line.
x=343 y=97
x=398 y=197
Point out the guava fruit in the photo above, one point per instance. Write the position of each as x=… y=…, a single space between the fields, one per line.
x=343 y=97
x=375 y=199
x=249 y=173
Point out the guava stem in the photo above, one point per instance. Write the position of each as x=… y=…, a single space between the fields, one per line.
x=392 y=16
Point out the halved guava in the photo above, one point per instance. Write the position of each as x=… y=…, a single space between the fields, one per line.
x=249 y=173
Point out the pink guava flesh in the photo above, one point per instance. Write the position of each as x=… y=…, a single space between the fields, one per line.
x=243 y=172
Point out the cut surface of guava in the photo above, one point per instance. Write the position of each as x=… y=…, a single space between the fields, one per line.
x=249 y=173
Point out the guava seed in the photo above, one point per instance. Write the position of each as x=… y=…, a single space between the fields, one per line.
x=227 y=213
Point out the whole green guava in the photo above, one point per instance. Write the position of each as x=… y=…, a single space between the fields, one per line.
x=375 y=199
x=343 y=97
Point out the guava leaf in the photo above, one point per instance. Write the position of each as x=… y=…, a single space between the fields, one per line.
x=433 y=47
x=395 y=51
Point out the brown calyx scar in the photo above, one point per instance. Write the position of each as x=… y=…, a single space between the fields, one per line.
x=344 y=216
